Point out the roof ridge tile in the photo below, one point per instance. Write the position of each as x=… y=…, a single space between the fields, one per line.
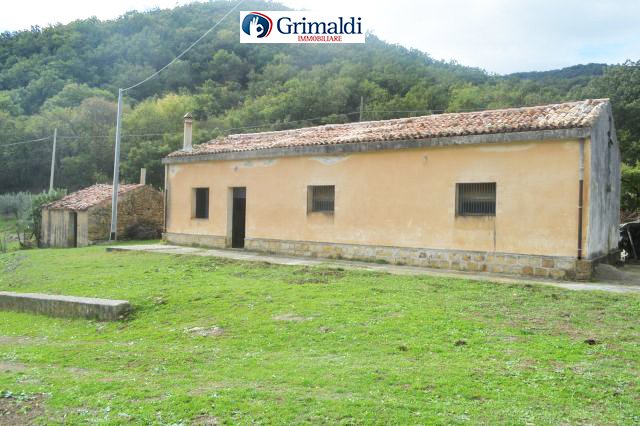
x=566 y=115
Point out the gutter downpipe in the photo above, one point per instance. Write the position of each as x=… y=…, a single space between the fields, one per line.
x=166 y=195
x=580 y=197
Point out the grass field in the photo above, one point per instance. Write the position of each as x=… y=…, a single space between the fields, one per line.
x=231 y=342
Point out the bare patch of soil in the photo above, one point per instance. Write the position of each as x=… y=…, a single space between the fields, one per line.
x=78 y=371
x=206 y=420
x=291 y=317
x=213 y=331
x=308 y=275
x=11 y=367
x=20 y=340
x=21 y=409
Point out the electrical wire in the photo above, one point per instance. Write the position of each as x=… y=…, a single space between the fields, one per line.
x=24 y=142
x=432 y=111
x=230 y=129
x=186 y=50
x=288 y=122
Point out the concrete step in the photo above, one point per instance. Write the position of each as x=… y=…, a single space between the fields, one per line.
x=65 y=306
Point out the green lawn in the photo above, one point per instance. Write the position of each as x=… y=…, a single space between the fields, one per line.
x=313 y=345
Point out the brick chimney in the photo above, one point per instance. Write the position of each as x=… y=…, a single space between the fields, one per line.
x=188 y=132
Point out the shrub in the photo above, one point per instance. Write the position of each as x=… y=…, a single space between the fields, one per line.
x=630 y=193
x=18 y=206
x=4 y=242
x=26 y=209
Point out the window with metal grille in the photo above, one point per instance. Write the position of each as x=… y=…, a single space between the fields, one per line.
x=201 y=203
x=476 y=199
x=321 y=198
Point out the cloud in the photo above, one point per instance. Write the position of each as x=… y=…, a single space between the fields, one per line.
x=504 y=36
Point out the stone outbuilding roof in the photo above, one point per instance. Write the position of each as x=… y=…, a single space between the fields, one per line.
x=89 y=197
x=567 y=115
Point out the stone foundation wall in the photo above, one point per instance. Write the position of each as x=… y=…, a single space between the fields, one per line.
x=213 y=241
x=503 y=263
x=457 y=260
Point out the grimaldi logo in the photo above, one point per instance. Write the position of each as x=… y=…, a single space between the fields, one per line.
x=299 y=27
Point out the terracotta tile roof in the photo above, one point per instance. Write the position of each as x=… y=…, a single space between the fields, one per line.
x=545 y=117
x=89 y=197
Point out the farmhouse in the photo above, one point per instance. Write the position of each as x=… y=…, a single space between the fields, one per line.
x=527 y=191
x=84 y=217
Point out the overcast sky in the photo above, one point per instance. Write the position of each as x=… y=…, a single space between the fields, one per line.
x=500 y=36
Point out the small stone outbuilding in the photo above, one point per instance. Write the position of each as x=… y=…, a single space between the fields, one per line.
x=84 y=217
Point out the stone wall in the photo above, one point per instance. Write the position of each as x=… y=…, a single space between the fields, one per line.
x=139 y=205
x=603 y=188
x=554 y=267
x=502 y=263
x=214 y=241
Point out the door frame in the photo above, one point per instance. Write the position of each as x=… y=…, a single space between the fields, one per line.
x=74 y=229
x=231 y=213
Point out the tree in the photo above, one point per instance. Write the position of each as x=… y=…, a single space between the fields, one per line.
x=630 y=191
x=73 y=94
x=621 y=84
x=18 y=206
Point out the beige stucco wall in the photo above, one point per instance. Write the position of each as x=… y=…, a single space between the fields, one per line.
x=403 y=198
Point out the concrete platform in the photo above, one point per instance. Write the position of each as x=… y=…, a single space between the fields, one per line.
x=611 y=286
x=65 y=306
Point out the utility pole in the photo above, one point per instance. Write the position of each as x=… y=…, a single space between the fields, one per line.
x=116 y=171
x=116 y=162
x=361 y=107
x=53 y=159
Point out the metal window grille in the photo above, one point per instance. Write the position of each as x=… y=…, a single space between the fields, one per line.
x=322 y=198
x=476 y=199
x=202 y=203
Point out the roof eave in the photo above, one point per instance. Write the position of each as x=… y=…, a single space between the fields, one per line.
x=70 y=209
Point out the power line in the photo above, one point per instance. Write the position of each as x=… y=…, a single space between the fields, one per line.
x=187 y=49
x=116 y=156
x=226 y=129
x=433 y=111
x=223 y=129
x=229 y=129
x=24 y=142
x=252 y=126
x=288 y=122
